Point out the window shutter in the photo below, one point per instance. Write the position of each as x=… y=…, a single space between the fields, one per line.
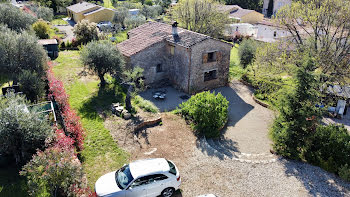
x=218 y=56
x=205 y=57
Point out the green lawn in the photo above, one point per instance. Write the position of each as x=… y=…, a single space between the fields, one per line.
x=236 y=71
x=101 y=154
x=59 y=22
x=11 y=184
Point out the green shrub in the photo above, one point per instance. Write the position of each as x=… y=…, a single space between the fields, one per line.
x=207 y=111
x=145 y=105
x=246 y=52
x=148 y=2
x=329 y=147
x=32 y=85
x=344 y=172
x=41 y=29
x=85 y=31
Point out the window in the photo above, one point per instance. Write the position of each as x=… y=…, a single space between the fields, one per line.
x=159 y=68
x=210 y=75
x=211 y=57
x=159 y=177
x=172 y=168
x=274 y=34
x=123 y=177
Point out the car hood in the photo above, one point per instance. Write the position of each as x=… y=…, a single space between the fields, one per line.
x=106 y=185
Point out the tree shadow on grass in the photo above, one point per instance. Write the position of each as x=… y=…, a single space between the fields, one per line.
x=316 y=181
x=99 y=104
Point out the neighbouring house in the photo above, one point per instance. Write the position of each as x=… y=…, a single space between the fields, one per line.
x=270 y=32
x=244 y=29
x=188 y=60
x=242 y=15
x=51 y=46
x=265 y=31
x=90 y=12
x=271 y=7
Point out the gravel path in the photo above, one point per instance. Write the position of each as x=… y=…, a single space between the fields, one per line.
x=248 y=122
x=205 y=174
x=69 y=31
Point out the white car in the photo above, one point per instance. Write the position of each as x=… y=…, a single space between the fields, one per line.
x=142 y=178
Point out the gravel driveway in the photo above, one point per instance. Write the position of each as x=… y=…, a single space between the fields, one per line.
x=248 y=122
x=203 y=171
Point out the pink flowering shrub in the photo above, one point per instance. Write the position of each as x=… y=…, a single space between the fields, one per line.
x=54 y=172
x=71 y=121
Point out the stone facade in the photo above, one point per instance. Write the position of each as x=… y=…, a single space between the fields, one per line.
x=203 y=64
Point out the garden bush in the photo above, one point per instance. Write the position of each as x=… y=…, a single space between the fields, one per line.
x=31 y=85
x=246 y=52
x=54 y=172
x=85 y=31
x=344 y=172
x=329 y=148
x=207 y=111
x=22 y=131
x=41 y=29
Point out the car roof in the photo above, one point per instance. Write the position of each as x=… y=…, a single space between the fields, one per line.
x=145 y=167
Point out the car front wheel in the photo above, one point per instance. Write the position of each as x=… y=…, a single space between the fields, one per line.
x=167 y=192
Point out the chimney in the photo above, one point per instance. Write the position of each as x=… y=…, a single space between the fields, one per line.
x=174 y=29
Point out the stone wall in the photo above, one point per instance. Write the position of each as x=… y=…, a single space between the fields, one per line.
x=179 y=66
x=198 y=67
x=148 y=59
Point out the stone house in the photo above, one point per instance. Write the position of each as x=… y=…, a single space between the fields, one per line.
x=187 y=60
x=90 y=12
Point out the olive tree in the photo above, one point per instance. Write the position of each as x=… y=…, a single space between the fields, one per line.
x=22 y=131
x=102 y=57
x=120 y=15
x=85 y=31
x=14 y=18
x=202 y=16
x=20 y=52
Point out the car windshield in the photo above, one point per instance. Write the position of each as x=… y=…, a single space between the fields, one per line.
x=123 y=177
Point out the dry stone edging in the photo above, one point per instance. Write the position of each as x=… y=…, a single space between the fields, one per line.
x=240 y=157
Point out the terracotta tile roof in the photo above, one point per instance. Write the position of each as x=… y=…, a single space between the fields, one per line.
x=151 y=33
x=47 y=41
x=82 y=6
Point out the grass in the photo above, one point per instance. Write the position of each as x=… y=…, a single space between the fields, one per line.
x=101 y=153
x=59 y=22
x=144 y=104
x=11 y=184
x=236 y=71
x=54 y=32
